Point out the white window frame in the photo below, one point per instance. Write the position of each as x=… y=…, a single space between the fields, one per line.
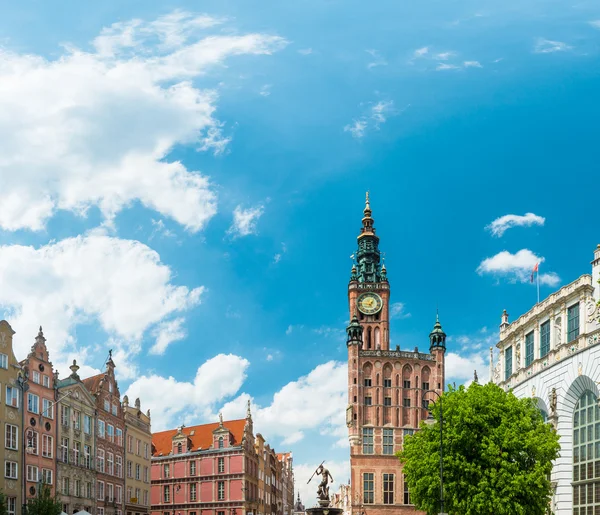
x=12 y=396
x=33 y=473
x=100 y=492
x=3 y=361
x=100 y=460
x=48 y=444
x=11 y=505
x=47 y=476
x=46 y=381
x=48 y=408
x=31 y=397
x=11 y=437
x=11 y=469
x=35 y=377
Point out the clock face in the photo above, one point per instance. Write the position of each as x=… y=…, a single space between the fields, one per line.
x=369 y=303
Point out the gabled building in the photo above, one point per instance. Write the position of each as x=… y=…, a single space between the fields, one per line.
x=11 y=451
x=138 y=437
x=286 y=482
x=76 y=472
x=40 y=424
x=110 y=438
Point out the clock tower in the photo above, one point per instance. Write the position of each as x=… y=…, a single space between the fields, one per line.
x=386 y=388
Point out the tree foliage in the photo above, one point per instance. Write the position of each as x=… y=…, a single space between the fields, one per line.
x=3 y=504
x=44 y=503
x=497 y=452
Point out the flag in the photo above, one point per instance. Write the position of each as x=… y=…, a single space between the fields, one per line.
x=535 y=269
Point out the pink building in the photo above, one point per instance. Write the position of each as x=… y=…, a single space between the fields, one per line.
x=209 y=469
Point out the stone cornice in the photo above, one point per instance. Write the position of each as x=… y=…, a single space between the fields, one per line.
x=547 y=306
x=395 y=354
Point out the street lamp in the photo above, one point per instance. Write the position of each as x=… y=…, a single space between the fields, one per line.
x=430 y=421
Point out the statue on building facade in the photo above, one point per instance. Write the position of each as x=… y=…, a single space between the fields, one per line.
x=553 y=401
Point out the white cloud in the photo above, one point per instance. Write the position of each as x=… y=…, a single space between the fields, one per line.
x=189 y=402
x=120 y=284
x=166 y=333
x=265 y=91
x=95 y=129
x=446 y=66
x=378 y=114
x=357 y=128
x=398 y=311
x=444 y=56
x=500 y=225
x=516 y=267
x=421 y=52
x=305 y=51
x=378 y=60
x=277 y=257
x=269 y=357
x=472 y=64
x=546 y=46
x=460 y=368
x=245 y=220
x=340 y=470
x=595 y=24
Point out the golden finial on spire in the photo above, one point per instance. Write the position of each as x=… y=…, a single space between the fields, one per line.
x=367 y=210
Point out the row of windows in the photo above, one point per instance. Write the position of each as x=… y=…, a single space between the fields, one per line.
x=112 y=492
x=36 y=377
x=572 y=334
x=387 y=383
x=138 y=447
x=113 y=465
x=34 y=474
x=387 y=401
x=73 y=417
x=388 y=440
x=193 y=492
x=138 y=471
x=33 y=439
x=109 y=432
x=388 y=489
x=137 y=499
x=167 y=468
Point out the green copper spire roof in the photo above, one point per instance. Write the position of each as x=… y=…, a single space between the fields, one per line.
x=368 y=255
x=437 y=337
x=354 y=331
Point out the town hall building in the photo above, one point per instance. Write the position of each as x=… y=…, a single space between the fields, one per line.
x=387 y=387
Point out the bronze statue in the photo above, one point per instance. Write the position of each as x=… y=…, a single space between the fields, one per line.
x=323 y=490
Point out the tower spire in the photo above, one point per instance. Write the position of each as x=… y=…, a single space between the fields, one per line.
x=368 y=255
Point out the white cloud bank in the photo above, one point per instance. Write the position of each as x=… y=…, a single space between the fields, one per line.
x=95 y=128
x=500 y=225
x=516 y=267
x=120 y=284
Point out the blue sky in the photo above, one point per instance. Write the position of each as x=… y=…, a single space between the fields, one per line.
x=184 y=184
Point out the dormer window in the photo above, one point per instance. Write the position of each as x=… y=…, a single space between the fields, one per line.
x=179 y=447
x=221 y=442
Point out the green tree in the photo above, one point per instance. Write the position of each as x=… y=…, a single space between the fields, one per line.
x=497 y=452
x=3 y=504
x=44 y=503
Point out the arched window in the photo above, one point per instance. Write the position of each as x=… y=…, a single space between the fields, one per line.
x=179 y=448
x=221 y=443
x=586 y=449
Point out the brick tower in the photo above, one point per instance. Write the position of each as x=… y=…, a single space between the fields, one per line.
x=385 y=387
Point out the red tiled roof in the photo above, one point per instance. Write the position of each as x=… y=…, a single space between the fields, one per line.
x=202 y=437
x=91 y=383
x=283 y=455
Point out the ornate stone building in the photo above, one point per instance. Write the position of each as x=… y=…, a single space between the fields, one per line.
x=286 y=482
x=76 y=444
x=11 y=451
x=40 y=420
x=110 y=432
x=386 y=387
x=138 y=437
x=551 y=354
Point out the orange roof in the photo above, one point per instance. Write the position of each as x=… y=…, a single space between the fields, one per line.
x=91 y=383
x=202 y=437
x=283 y=455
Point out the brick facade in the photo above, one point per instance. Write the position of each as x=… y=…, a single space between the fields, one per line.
x=385 y=386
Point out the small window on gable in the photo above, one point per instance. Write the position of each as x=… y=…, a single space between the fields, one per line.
x=221 y=442
x=179 y=448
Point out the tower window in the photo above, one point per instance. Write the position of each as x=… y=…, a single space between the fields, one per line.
x=387 y=383
x=367 y=440
x=387 y=401
x=406 y=384
x=388 y=489
x=388 y=441
x=368 y=382
x=368 y=401
x=406 y=402
x=425 y=385
x=368 y=488
x=355 y=398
